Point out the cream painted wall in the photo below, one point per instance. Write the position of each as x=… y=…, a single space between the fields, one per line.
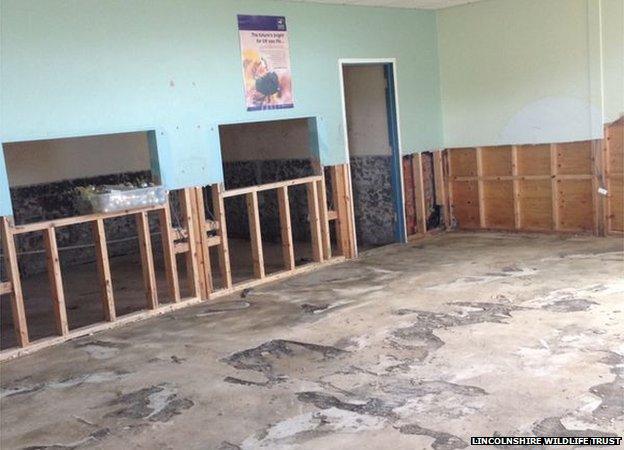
x=36 y=162
x=524 y=71
x=367 y=117
x=613 y=58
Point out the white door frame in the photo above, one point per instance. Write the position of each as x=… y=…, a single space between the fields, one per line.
x=342 y=62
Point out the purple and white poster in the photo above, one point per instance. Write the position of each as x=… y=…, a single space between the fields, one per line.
x=266 y=62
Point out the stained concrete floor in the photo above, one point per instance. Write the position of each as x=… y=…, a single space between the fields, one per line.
x=417 y=346
x=82 y=292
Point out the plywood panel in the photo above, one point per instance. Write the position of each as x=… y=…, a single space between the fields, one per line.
x=466 y=204
x=575 y=205
x=498 y=204
x=616 y=198
x=464 y=162
x=535 y=205
x=574 y=158
x=534 y=159
x=496 y=161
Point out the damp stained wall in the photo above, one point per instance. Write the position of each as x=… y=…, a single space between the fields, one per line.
x=84 y=67
x=528 y=71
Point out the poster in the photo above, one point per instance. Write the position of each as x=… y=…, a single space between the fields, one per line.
x=266 y=62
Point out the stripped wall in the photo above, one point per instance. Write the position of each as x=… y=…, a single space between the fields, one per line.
x=266 y=152
x=43 y=177
x=103 y=66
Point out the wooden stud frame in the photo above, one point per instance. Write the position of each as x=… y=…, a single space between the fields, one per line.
x=224 y=252
x=56 y=281
x=12 y=269
x=168 y=244
x=544 y=187
x=12 y=286
x=516 y=188
x=419 y=193
x=415 y=181
x=315 y=221
x=193 y=241
x=613 y=177
x=147 y=259
x=255 y=234
x=288 y=251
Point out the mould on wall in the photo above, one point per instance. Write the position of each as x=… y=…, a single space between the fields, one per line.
x=372 y=199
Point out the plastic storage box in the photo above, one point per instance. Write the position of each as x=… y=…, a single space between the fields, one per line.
x=119 y=198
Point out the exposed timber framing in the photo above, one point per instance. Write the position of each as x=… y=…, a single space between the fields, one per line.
x=194 y=239
x=545 y=187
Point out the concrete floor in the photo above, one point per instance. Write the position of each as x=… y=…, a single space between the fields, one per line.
x=417 y=346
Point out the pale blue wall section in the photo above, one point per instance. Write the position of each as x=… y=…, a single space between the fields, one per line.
x=100 y=66
x=5 y=198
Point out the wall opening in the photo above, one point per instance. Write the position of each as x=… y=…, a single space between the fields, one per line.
x=44 y=180
x=370 y=129
x=258 y=153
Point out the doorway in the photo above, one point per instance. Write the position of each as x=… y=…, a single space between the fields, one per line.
x=373 y=150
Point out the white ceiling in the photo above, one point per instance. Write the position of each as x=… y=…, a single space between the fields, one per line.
x=415 y=4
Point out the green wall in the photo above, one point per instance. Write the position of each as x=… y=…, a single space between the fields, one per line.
x=76 y=67
x=613 y=58
x=527 y=71
x=488 y=73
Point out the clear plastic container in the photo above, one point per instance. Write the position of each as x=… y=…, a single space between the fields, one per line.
x=121 y=199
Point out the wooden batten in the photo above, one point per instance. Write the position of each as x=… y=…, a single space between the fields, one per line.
x=180 y=247
x=419 y=193
x=6 y=287
x=17 y=299
x=348 y=199
x=598 y=201
x=147 y=260
x=555 y=187
x=56 y=281
x=216 y=191
x=169 y=253
x=213 y=241
x=288 y=251
x=516 y=188
x=339 y=199
x=448 y=177
x=269 y=186
x=255 y=234
x=203 y=253
x=192 y=271
x=438 y=178
x=315 y=222
x=103 y=268
x=324 y=218
x=481 y=188
x=441 y=194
